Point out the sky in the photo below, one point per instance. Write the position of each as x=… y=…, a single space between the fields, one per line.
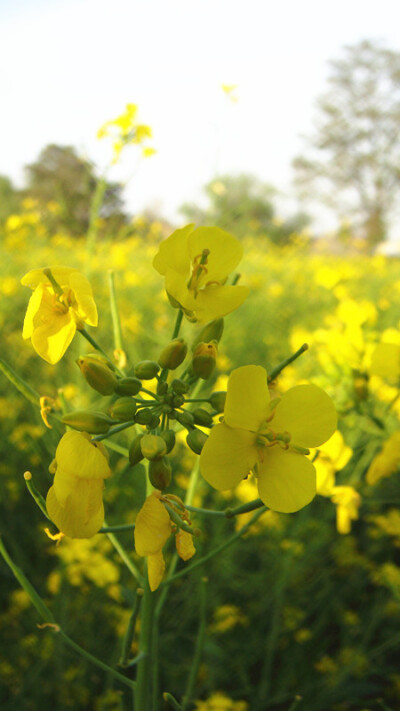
x=66 y=66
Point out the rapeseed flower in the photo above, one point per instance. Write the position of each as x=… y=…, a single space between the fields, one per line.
x=75 y=501
x=62 y=302
x=347 y=501
x=125 y=130
x=196 y=264
x=386 y=462
x=271 y=438
x=153 y=527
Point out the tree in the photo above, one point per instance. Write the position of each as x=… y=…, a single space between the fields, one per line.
x=243 y=205
x=354 y=154
x=60 y=176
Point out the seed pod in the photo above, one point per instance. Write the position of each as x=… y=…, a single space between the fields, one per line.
x=87 y=421
x=169 y=438
x=160 y=473
x=97 y=374
x=146 y=369
x=204 y=359
x=217 y=400
x=185 y=418
x=128 y=386
x=179 y=387
x=173 y=354
x=196 y=440
x=153 y=446
x=135 y=450
x=202 y=417
x=123 y=409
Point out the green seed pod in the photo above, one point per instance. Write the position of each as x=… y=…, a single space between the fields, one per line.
x=169 y=438
x=162 y=387
x=196 y=440
x=160 y=473
x=97 y=374
x=146 y=369
x=204 y=359
x=179 y=387
x=173 y=354
x=135 y=450
x=143 y=417
x=86 y=421
x=202 y=417
x=211 y=332
x=128 y=386
x=123 y=409
x=185 y=418
x=217 y=400
x=153 y=446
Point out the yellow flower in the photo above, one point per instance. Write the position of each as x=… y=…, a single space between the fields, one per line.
x=385 y=361
x=196 y=264
x=153 y=527
x=75 y=501
x=332 y=456
x=269 y=438
x=125 y=130
x=62 y=301
x=387 y=461
x=348 y=501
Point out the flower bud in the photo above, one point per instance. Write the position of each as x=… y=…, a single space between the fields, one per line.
x=143 y=417
x=162 y=387
x=202 y=417
x=169 y=438
x=153 y=446
x=173 y=354
x=97 y=374
x=185 y=418
x=86 y=421
x=179 y=387
x=128 y=386
x=177 y=400
x=196 y=440
x=123 y=409
x=204 y=359
x=146 y=369
x=153 y=422
x=135 y=450
x=210 y=332
x=217 y=400
x=160 y=473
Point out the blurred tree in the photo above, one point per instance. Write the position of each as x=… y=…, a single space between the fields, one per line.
x=64 y=186
x=243 y=205
x=354 y=153
x=10 y=199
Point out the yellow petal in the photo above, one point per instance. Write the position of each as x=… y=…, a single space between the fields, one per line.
x=184 y=545
x=217 y=301
x=36 y=276
x=286 y=480
x=152 y=527
x=227 y=456
x=155 y=569
x=173 y=253
x=176 y=286
x=385 y=361
x=225 y=251
x=32 y=311
x=308 y=414
x=247 y=400
x=83 y=294
x=52 y=339
x=83 y=513
x=78 y=456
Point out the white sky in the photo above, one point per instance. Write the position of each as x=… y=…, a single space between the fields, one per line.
x=66 y=66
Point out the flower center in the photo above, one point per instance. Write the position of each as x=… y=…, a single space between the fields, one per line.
x=199 y=272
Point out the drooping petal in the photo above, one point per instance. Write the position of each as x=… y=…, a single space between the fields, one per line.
x=173 y=253
x=184 y=545
x=227 y=456
x=155 y=569
x=225 y=251
x=176 y=286
x=52 y=339
x=214 y=301
x=79 y=518
x=152 y=527
x=78 y=456
x=307 y=413
x=247 y=400
x=32 y=311
x=84 y=296
x=286 y=480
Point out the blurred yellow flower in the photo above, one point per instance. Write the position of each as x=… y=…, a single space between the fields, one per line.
x=218 y=701
x=385 y=361
x=386 y=462
x=332 y=456
x=62 y=302
x=347 y=501
x=125 y=130
x=196 y=264
x=270 y=439
x=75 y=501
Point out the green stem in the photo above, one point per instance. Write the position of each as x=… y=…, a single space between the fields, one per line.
x=116 y=321
x=198 y=648
x=275 y=371
x=114 y=430
x=19 y=383
x=144 y=667
x=171 y=700
x=95 y=208
x=175 y=333
x=124 y=555
x=95 y=345
x=36 y=495
x=118 y=528
x=228 y=513
x=129 y=634
x=47 y=616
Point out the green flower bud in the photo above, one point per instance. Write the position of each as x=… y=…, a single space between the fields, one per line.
x=196 y=440
x=173 y=354
x=128 y=386
x=87 y=421
x=185 y=418
x=143 y=417
x=204 y=359
x=202 y=417
x=146 y=369
x=169 y=438
x=153 y=422
x=179 y=387
x=160 y=473
x=217 y=400
x=135 y=450
x=98 y=358
x=153 y=446
x=97 y=374
x=177 y=400
x=162 y=387
x=210 y=332
x=123 y=409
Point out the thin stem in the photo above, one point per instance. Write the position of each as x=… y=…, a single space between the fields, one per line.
x=172 y=700
x=199 y=646
x=129 y=634
x=116 y=321
x=114 y=430
x=144 y=668
x=36 y=495
x=19 y=383
x=118 y=528
x=178 y=324
x=124 y=555
x=275 y=371
x=228 y=513
x=95 y=345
